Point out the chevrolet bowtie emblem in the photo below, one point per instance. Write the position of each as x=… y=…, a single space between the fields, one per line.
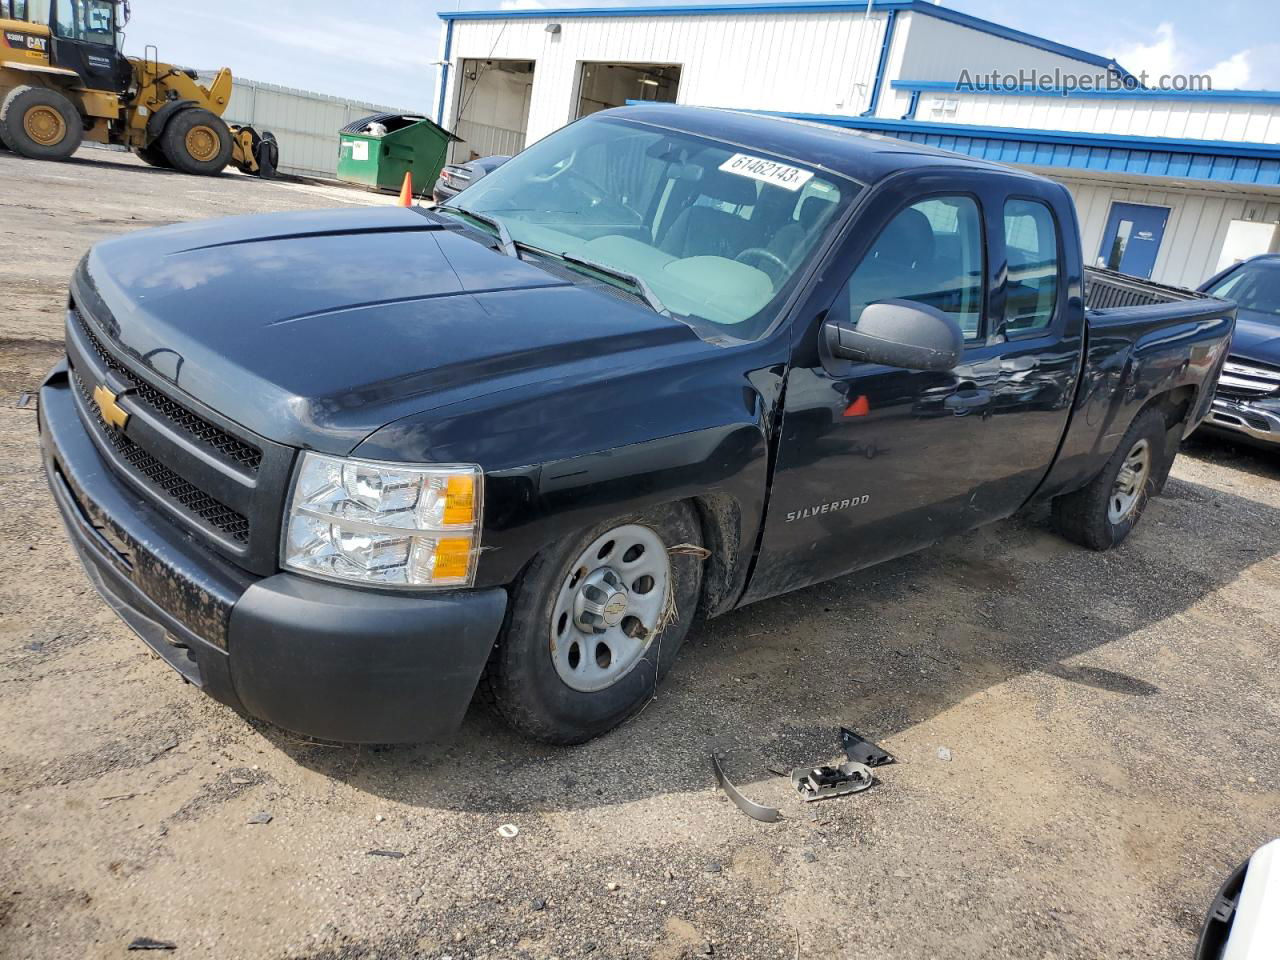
x=115 y=415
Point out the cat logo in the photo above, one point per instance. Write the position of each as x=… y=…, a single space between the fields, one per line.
x=108 y=405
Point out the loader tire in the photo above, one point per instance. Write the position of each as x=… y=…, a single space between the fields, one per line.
x=197 y=141
x=268 y=156
x=40 y=123
x=153 y=156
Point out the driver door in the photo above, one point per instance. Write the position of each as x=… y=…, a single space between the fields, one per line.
x=876 y=461
x=84 y=40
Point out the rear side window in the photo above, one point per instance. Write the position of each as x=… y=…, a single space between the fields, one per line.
x=1031 y=242
x=931 y=253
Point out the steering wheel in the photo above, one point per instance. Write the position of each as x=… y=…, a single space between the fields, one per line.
x=774 y=266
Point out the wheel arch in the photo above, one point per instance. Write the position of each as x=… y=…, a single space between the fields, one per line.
x=159 y=119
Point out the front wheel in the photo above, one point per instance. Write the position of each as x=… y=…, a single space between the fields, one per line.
x=40 y=123
x=1103 y=513
x=595 y=623
x=197 y=141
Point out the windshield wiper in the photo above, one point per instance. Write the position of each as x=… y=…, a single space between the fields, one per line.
x=646 y=294
x=509 y=246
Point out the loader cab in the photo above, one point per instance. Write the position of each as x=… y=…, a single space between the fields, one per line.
x=86 y=36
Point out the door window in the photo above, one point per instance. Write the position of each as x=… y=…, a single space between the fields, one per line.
x=90 y=21
x=1031 y=245
x=931 y=253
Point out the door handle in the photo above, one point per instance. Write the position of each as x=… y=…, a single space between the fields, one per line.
x=964 y=401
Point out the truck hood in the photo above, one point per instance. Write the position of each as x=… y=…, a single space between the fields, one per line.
x=1257 y=337
x=315 y=329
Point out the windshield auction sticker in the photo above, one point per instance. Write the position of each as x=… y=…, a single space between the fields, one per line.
x=767 y=171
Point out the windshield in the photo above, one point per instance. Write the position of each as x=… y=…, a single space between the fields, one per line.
x=90 y=21
x=1254 y=286
x=712 y=233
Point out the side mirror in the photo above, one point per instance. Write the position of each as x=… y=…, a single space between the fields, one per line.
x=898 y=333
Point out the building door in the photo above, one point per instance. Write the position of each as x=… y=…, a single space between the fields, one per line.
x=1132 y=238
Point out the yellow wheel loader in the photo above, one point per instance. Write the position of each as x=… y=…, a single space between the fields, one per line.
x=64 y=79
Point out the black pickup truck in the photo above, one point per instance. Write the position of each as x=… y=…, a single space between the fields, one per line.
x=341 y=468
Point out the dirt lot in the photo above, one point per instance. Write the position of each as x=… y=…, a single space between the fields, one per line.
x=1111 y=721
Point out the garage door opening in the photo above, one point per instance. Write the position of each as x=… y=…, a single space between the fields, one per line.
x=493 y=108
x=605 y=85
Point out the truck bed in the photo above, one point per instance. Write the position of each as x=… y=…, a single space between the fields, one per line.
x=1143 y=340
x=1106 y=289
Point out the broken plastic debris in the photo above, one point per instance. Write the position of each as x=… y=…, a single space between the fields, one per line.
x=146 y=943
x=753 y=810
x=821 y=783
x=944 y=753
x=861 y=750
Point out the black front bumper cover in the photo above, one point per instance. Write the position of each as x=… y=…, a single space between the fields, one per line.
x=327 y=661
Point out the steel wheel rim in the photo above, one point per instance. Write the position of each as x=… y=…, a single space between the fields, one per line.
x=609 y=608
x=45 y=126
x=203 y=143
x=1130 y=482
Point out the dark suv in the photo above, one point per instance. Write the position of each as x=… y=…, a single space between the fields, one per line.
x=1248 y=398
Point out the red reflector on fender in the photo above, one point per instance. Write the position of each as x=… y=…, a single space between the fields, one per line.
x=859 y=407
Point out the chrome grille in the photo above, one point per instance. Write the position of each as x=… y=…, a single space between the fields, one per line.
x=1248 y=378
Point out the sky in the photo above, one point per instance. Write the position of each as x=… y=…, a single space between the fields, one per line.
x=383 y=52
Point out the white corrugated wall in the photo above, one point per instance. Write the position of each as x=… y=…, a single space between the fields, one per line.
x=1146 y=116
x=803 y=62
x=1194 y=234
x=305 y=123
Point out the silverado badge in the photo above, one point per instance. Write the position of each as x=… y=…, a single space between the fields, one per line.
x=114 y=414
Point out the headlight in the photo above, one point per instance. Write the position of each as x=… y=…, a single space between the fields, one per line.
x=389 y=524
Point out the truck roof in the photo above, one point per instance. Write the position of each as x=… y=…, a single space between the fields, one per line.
x=866 y=157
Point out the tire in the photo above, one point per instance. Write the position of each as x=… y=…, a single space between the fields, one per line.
x=196 y=141
x=1102 y=514
x=40 y=123
x=268 y=156
x=153 y=155
x=618 y=669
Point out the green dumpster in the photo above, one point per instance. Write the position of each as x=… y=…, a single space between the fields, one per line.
x=376 y=152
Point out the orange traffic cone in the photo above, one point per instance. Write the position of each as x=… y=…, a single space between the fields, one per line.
x=406 y=192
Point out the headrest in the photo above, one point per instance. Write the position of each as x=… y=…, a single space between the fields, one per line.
x=812 y=210
x=907 y=241
x=729 y=187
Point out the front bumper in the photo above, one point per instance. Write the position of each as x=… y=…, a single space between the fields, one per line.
x=1256 y=419
x=359 y=666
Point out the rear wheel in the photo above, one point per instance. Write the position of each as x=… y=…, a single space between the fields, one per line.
x=1103 y=513
x=595 y=623
x=153 y=155
x=40 y=123
x=197 y=141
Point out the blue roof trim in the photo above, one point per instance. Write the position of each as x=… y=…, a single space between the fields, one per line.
x=799 y=6
x=1232 y=96
x=886 y=44
x=1214 y=160
x=1234 y=148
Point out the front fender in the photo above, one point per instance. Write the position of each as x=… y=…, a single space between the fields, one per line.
x=562 y=456
x=159 y=119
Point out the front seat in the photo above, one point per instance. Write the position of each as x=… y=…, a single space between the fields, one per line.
x=707 y=231
x=789 y=242
x=899 y=266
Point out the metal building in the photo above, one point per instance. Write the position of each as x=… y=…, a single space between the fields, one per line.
x=1169 y=185
x=305 y=123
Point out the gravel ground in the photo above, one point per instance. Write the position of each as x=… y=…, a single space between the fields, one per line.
x=1110 y=720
